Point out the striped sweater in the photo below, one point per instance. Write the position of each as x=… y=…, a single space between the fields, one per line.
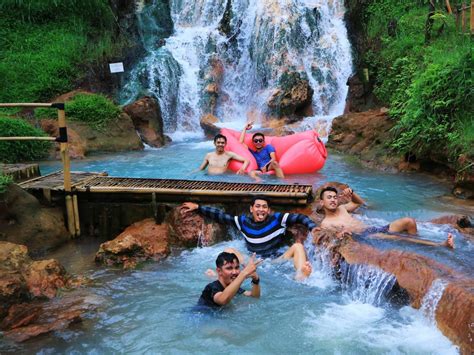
x=261 y=237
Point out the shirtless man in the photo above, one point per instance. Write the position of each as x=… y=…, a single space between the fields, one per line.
x=218 y=161
x=338 y=217
x=264 y=154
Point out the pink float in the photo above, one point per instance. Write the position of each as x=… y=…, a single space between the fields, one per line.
x=299 y=153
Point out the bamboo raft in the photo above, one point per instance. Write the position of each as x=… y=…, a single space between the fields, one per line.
x=170 y=190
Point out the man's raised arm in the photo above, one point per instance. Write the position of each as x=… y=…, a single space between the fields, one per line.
x=247 y=127
x=211 y=212
x=355 y=202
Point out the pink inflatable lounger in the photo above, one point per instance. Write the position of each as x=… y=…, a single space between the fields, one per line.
x=299 y=153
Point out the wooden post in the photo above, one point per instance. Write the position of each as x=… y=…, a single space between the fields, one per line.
x=472 y=17
x=64 y=152
x=463 y=18
x=448 y=7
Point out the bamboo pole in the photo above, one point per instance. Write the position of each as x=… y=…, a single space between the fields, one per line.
x=27 y=138
x=64 y=152
x=472 y=17
x=76 y=215
x=448 y=7
x=463 y=17
x=36 y=104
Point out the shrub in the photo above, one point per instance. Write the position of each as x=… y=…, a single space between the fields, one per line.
x=4 y=181
x=96 y=110
x=19 y=151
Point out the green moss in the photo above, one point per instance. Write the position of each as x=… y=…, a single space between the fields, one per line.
x=5 y=180
x=20 y=151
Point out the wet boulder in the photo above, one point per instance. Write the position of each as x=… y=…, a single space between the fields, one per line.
x=144 y=240
x=23 y=220
x=292 y=97
x=415 y=274
x=28 y=320
x=191 y=229
x=208 y=124
x=146 y=116
x=22 y=279
x=212 y=84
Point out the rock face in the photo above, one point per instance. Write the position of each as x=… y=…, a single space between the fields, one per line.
x=141 y=241
x=191 y=229
x=212 y=85
x=76 y=145
x=364 y=135
x=146 y=116
x=208 y=124
x=415 y=274
x=118 y=135
x=22 y=279
x=292 y=97
x=24 y=220
x=27 y=320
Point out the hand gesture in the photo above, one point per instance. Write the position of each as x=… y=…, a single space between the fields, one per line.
x=347 y=192
x=251 y=268
x=249 y=125
x=188 y=207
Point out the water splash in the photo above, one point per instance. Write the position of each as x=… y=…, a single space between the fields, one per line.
x=366 y=284
x=431 y=300
x=262 y=39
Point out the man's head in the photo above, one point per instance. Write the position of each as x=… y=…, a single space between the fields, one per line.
x=259 y=208
x=227 y=267
x=328 y=197
x=220 y=142
x=258 y=140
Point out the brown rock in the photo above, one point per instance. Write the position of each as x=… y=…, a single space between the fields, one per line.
x=28 y=320
x=146 y=116
x=415 y=274
x=76 y=145
x=25 y=221
x=292 y=96
x=207 y=123
x=455 y=314
x=191 y=229
x=45 y=277
x=118 y=135
x=141 y=241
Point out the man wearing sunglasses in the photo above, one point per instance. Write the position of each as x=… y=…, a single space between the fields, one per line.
x=264 y=154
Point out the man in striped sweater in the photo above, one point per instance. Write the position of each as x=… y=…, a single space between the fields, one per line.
x=264 y=231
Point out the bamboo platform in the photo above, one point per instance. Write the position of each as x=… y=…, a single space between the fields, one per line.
x=169 y=190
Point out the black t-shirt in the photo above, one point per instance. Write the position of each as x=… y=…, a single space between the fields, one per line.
x=207 y=296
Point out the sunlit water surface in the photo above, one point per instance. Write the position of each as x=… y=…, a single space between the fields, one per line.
x=150 y=310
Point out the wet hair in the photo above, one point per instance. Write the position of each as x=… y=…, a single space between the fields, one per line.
x=224 y=258
x=255 y=198
x=258 y=134
x=217 y=136
x=327 y=188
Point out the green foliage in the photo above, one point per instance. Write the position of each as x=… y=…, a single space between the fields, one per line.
x=428 y=86
x=96 y=110
x=47 y=46
x=19 y=151
x=5 y=180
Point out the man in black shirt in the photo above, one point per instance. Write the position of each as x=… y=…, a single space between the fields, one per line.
x=229 y=279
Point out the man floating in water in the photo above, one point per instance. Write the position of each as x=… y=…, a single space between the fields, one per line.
x=229 y=279
x=338 y=217
x=264 y=154
x=218 y=161
x=264 y=231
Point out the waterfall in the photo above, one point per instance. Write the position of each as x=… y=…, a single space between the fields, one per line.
x=431 y=300
x=240 y=47
x=366 y=283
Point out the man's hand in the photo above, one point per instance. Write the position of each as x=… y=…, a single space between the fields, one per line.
x=189 y=207
x=250 y=270
x=347 y=192
x=241 y=171
x=344 y=233
x=249 y=125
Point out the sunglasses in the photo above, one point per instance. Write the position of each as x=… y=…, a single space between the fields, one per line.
x=258 y=140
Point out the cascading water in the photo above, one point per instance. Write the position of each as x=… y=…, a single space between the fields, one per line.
x=431 y=300
x=240 y=47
